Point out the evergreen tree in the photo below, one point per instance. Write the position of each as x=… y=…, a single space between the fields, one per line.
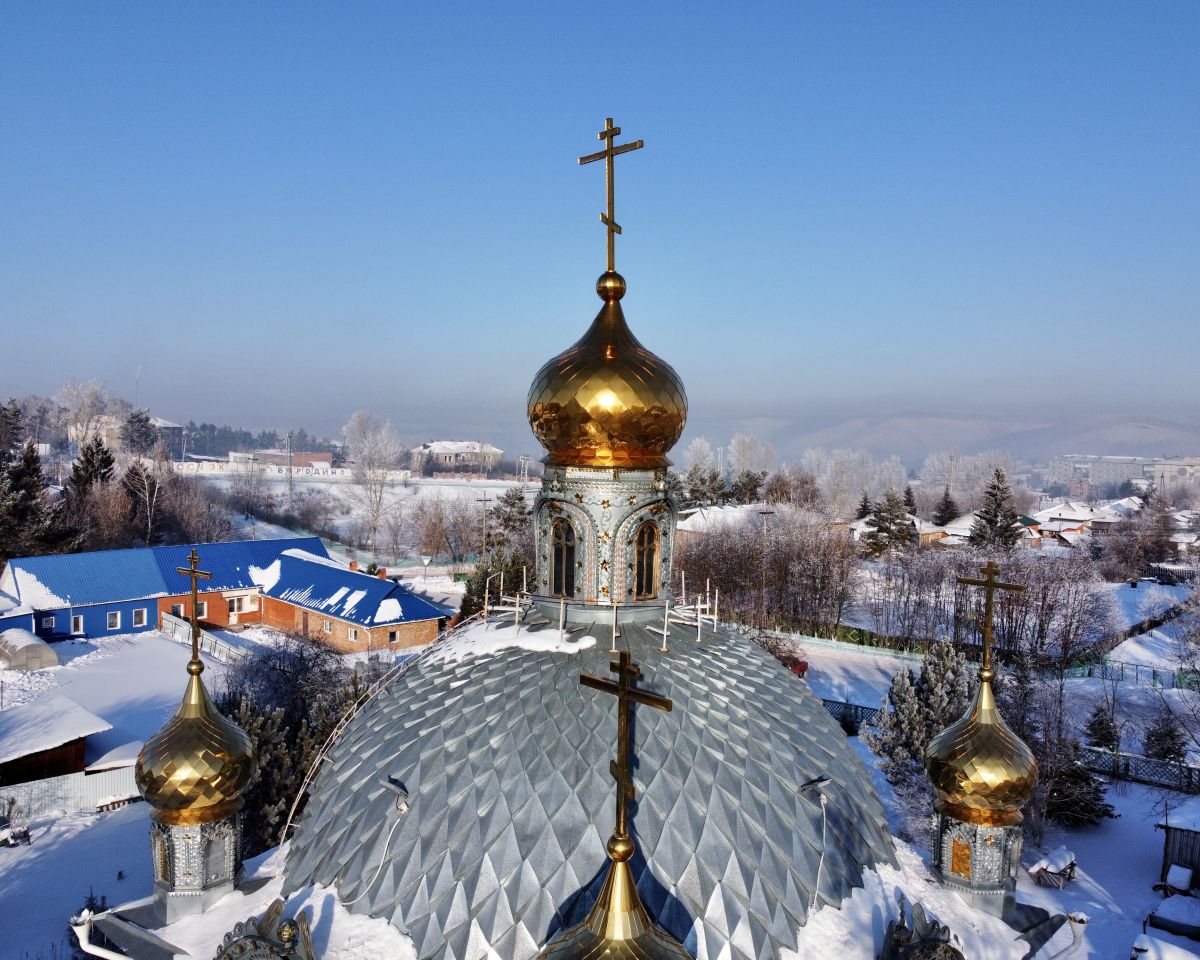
x=864 y=507
x=675 y=488
x=946 y=509
x=944 y=687
x=1164 y=739
x=1076 y=796
x=1100 y=730
x=93 y=465
x=890 y=528
x=28 y=523
x=511 y=563
x=510 y=524
x=704 y=485
x=997 y=525
x=12 y=430
x=901 y=734
x=138 y=435
x=747 y=486
x=910 y=500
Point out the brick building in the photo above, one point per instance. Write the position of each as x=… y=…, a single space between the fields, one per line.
x=349 y=610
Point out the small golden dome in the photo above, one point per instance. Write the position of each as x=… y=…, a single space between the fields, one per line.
x=196 y=767
x=607 y=401
x=981 y=770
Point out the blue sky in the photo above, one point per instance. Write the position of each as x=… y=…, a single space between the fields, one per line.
x=287 y=212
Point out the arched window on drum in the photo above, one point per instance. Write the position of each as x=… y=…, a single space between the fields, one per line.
x=645 y=580
x=562 y=558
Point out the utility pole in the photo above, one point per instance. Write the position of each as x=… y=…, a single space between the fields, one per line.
x=289 y=476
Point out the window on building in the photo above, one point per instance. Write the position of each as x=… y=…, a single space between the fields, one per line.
x=236 y=604
x=327 y=626
x=645 y=581
x=562 y=556
x=139 y=617
x=77 y=623
x=177 y=610
x=202 y=610
x=48 y=623
x=393 y=636
x=114 y=620
x=353 y=633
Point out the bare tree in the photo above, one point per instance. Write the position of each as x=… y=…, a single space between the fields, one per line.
x=747 y=452
x=375 y=455
x=247 y=486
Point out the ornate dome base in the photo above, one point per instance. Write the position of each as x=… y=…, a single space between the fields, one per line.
x=470 y=801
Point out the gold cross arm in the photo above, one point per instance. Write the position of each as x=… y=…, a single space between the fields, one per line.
x=610 y=152
x=990 y=585
x=195 y=574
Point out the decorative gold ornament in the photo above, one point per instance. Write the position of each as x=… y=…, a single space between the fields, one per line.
x=195 y=768
x=983 y=773
x=607 y=401
x=618 y=926
x=605 y=504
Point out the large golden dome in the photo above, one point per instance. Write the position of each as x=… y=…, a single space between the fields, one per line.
x=196 y=767
x=607 y=401
x=983 y=773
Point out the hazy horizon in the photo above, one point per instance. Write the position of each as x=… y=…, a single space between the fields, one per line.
x=284 y=214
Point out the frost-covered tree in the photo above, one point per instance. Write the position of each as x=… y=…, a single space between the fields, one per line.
x=747 y=452
x=12 y=430
x=84 y=402
x=1076 y=796
x=864 y=507
x=944 y=686
x=747 y=486
x=704 y=485
x=890 y=527
x=375 y=455
x=946 y=509
x=997 y=524
x=1101 y=730
x=138 y=434
x=902 y=732
x=910 y=500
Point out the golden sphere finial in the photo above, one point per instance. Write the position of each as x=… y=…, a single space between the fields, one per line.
x=620 y=848
x=611 y=286
x=195 y=667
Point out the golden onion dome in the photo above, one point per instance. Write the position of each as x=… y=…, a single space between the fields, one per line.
x=195 y=768
x=983 y=773
x=607 y=401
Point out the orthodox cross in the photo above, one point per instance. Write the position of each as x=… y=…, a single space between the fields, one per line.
x=195 y=574
x=990 y=585
x=626 y=695
x=609 y=135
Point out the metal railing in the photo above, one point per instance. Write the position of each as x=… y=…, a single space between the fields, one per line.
x=180 y=630
x=1130 y=766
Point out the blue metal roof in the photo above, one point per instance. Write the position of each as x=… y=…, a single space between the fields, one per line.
x=229 y=563
x=345 y=594
x=105 y=576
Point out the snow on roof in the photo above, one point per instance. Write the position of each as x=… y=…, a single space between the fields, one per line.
x=325 y=586
x=961 y=526
x=1152 y=948
x=1186 y=816
x=124 y=755
x=458 y=446
x=47 y=722
x=708 y=519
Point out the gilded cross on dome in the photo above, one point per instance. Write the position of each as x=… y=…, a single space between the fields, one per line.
x=195 y=574
x=609 y=135
x=990 y=585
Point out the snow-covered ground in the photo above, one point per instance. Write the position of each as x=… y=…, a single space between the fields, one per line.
x=134 y=681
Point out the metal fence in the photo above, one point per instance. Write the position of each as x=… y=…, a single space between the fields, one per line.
x=851 y=716
x=73 y=793
x=1129 y=766
x=181 y=630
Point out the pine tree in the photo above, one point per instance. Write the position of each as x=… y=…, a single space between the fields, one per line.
x=747 y=486
x=997 y=525
x=944 y=687
x=704 y=485
x=515 y=568
x=902 y=733
x=12 y=430
x=890 y=528
x=1077 y=796
x=1164 y=739
x=910 y=500
x=93 y=465
x=864 y=507
x=1100 y=730
x=946 y=509
x=138 y=434
x=29 y=524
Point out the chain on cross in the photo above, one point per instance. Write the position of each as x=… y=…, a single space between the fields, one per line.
x=609 y=135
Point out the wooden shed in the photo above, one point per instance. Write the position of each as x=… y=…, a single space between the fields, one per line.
x=45 y=739
x=22 y=650
x=1181 y=843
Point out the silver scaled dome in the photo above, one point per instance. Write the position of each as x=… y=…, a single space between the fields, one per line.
x=470 y=800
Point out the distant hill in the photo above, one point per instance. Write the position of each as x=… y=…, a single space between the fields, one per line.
x=913 y=437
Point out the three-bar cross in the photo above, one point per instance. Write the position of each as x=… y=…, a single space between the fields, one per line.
x=609 y=135
x=626 y=695
x=990 y=585
x=193 y=571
